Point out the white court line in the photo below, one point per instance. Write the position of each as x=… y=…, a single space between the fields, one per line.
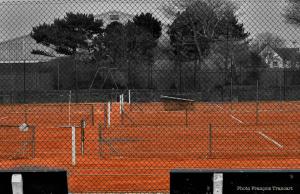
x=231 y=115
x=236 y=119
x=270 y=139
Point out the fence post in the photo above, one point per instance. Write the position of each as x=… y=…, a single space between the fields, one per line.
x=231 y=88
x=129 y=96
x=151 y=75
x=280 y=88
x=122 y=108
x=284 y=83
x=120 y=103
x=257 y=101
x=82 y=125
x=210 y=141
x=240 y=83
x=12 y=80
x=280 y=94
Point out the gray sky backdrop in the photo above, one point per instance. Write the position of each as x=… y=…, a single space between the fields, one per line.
x=18 y=17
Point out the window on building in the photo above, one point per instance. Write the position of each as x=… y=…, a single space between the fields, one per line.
x=114 y=17
x=275 y=63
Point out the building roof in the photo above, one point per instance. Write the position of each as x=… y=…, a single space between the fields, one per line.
x=113 y=12
x=287 y=53
x=19 y=50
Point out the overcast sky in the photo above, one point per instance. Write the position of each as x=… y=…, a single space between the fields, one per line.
x=18 y=18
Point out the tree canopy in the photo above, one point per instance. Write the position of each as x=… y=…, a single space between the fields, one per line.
x=128 y=41
x=121 y=45
x=68 y=34
x=201 y=23
x=114 y=41
x=148 y=23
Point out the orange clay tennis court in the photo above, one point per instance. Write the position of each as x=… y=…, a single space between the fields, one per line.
x=135 y=150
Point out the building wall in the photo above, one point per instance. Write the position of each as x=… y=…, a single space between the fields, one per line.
x=271 y=58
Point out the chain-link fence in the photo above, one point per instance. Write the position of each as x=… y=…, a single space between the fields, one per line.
x=118 y=93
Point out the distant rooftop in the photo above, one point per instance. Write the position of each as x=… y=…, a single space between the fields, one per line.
x=114 y=15
x=19 y=50
x=287 y=53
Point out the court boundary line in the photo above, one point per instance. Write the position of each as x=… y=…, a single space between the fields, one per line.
x=270 y=139
x=233 y=117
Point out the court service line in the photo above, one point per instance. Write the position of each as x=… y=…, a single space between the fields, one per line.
x=270 y=139
x=240 y=121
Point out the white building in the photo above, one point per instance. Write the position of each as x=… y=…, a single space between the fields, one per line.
x=122 y=17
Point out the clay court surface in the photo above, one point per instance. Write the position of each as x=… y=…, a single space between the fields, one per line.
x=134 y=151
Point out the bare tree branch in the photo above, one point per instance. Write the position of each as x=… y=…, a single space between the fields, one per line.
x=292 y=12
